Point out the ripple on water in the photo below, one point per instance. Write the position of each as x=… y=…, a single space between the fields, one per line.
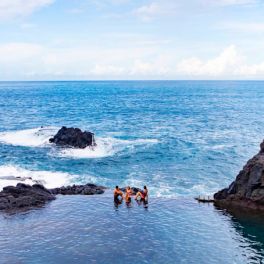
x=91 y=229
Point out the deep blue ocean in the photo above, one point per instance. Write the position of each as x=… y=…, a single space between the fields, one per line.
x=180 y=138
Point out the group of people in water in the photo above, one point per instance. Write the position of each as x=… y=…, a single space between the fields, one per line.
x=140 y=196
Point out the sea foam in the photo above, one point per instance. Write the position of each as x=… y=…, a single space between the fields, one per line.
x=105 y=147
x=39 y=137
x=9 y=176
x=35 y=137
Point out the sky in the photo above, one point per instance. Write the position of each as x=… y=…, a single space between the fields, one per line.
x=131 y=39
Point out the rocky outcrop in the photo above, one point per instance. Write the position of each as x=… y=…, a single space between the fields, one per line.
x=27 y=196
x=88 y=189
x=248 y=188
x=24 y=195
x=73 y=137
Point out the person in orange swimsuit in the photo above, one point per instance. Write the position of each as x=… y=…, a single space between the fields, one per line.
x=143 y=194
x=128 y=194
x=118 y=193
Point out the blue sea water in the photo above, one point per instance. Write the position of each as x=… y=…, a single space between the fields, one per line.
x=181 y=138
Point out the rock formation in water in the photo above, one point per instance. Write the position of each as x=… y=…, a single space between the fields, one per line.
x=24 y=195
x=27 y=196
x=248 y=188
x=88 y=189
x=73 y=137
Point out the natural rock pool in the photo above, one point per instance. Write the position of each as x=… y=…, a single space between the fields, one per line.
x=90 y=229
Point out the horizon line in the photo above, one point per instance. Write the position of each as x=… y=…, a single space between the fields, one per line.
x=142 y=80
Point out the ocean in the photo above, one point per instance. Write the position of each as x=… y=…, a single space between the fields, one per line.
x=180 y=138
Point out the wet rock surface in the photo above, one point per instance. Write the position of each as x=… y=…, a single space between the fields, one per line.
x=23 y=195
x=27 y=196
x=248 y=188
x=73 y=137
x=87 y=189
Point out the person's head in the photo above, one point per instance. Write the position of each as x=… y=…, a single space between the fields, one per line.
x=128 y=187
x=117 y=187
x=145 y=187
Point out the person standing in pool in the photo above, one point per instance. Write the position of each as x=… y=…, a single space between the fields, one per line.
x=143 y=194
x=118 y=193
x=128 y=195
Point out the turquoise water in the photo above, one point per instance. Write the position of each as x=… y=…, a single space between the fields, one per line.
x=182 y=139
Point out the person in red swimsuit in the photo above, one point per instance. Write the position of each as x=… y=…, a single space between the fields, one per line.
x=143 y=194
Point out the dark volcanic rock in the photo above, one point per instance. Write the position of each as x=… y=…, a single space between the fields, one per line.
x=248 y=188
x=24 y=195
x=73 y=137
x=27 y=196
x=87 y=189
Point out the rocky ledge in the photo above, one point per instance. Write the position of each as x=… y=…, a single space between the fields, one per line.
x=27 y=196
x=24 y=195
x=73 y=137
x=248 y=188
x=88 y=189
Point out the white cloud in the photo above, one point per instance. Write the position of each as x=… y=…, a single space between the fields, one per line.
x=157 y=9
x=27 y=60
x=112 y=70
x=229 y=2
x=226 y=61
x=147 y=12
x=33 y=61
x=18 y=52
x=161 y=8
x=16 y=8
x=243 y=27
x=250 y=70
x=228 y=64
x=235 y=2
x=156 y=67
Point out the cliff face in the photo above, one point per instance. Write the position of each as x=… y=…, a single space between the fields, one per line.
x=248 y=188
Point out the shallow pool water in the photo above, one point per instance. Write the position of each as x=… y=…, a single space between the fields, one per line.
x=90 y=229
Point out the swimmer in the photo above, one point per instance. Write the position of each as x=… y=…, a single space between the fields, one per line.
x=143 y=194
x=118 y=193
x=128 y=194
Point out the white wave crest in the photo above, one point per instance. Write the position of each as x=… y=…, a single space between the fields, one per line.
x=11 y=175
x=105 y=147
x=39 y=137
x=36 y=137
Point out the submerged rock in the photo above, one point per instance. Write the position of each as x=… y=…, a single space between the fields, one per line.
x=24 y=195
x=248 y=188
x=73 y=137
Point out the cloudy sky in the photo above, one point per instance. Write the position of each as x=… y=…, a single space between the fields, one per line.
x=131 y=39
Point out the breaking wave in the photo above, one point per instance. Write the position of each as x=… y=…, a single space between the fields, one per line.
x=35 y=137
x=11 y=175
x=39 y=137
x=105 y=147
